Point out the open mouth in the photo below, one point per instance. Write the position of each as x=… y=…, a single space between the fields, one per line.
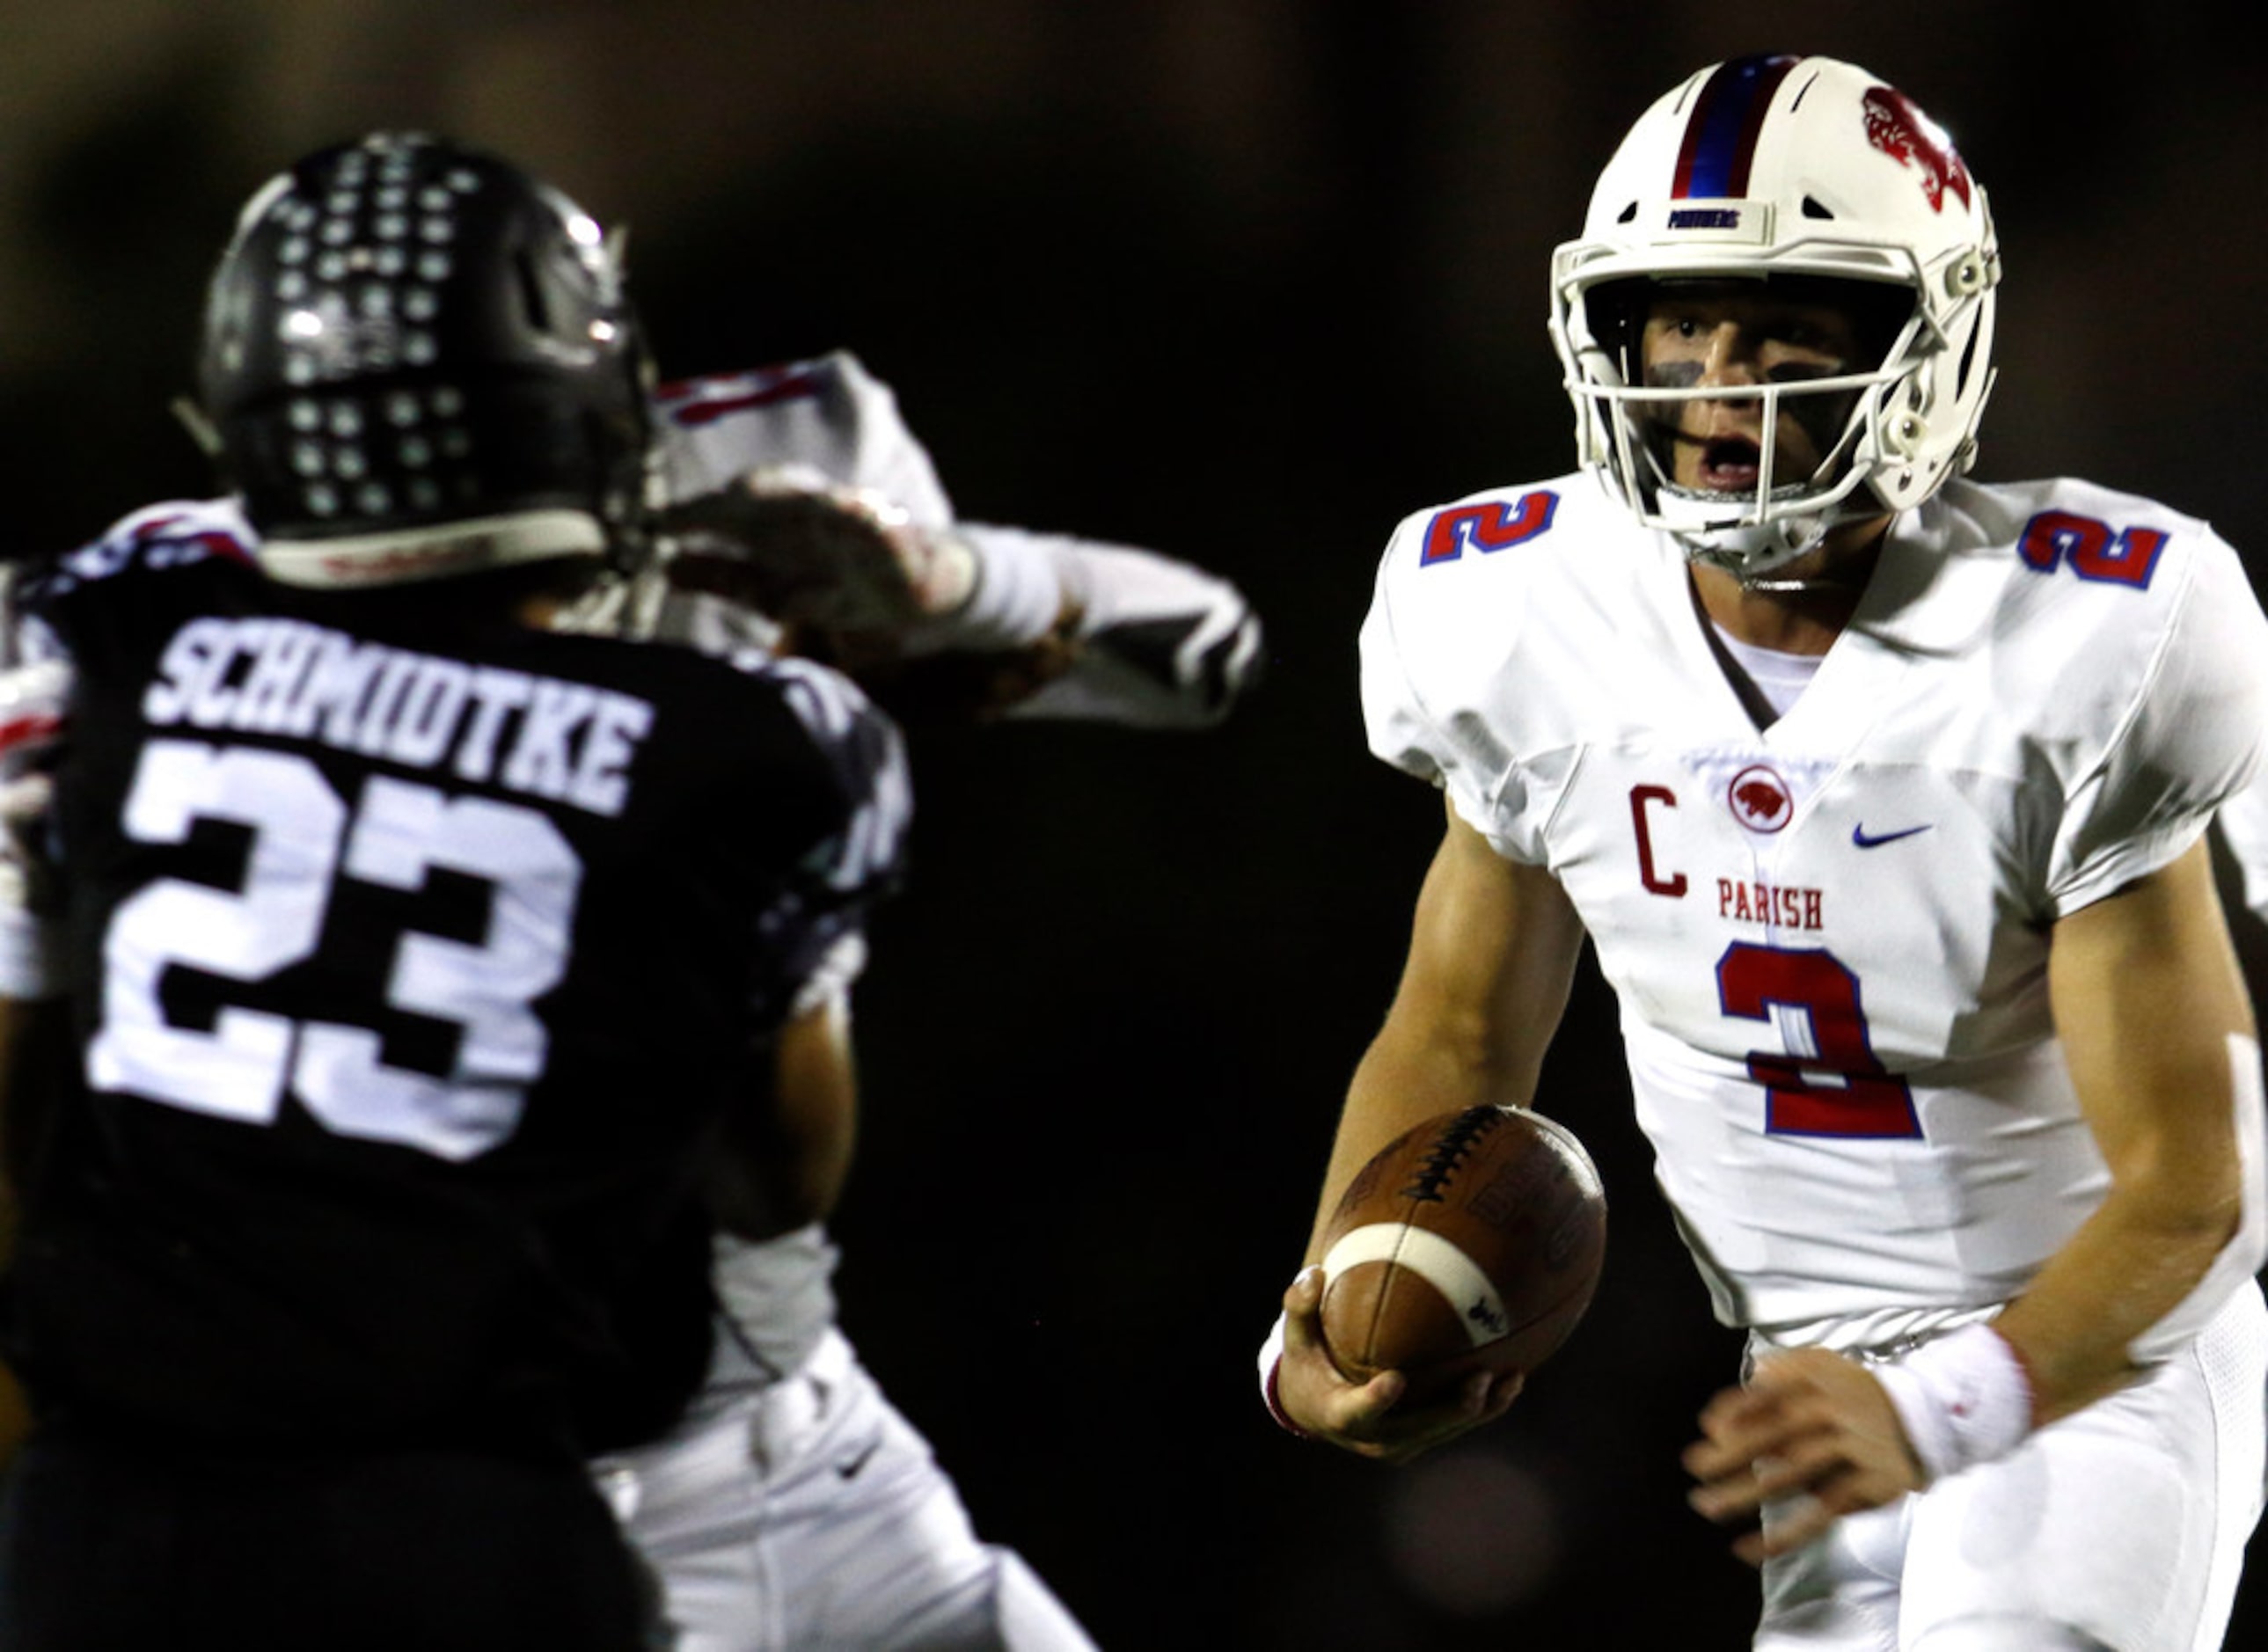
x=1730 y=463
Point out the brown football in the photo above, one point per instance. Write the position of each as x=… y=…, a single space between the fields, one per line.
x=1472 y=1242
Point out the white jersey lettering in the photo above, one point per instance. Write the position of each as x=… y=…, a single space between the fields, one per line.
x=565 y=742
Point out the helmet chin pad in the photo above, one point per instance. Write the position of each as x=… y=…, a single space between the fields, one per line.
x=1722 y=529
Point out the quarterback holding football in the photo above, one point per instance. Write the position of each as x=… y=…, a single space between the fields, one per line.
x=1881 y=793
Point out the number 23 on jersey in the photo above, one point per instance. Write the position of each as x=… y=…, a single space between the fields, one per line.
x=305 y=838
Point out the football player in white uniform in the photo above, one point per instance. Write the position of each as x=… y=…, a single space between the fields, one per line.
x=1880 y=795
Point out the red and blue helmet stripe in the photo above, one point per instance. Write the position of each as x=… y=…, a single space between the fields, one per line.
x=1721 y=137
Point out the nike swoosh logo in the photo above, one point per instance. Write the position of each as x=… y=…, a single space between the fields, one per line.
x=849 y=1466
x=1858 y=836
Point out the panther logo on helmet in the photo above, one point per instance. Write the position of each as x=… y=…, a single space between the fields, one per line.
x=1903 y=133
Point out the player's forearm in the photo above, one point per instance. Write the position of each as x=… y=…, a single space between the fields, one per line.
x=1154 y=641
x=782 y=1165
x=2158 y=1035
x=1410 y=1073
x=1492 y=954
x=2133 y=1263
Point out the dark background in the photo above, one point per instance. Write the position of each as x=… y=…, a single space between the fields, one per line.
x=1245 y=280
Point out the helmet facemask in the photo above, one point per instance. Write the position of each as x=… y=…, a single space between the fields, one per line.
x=1789 y=487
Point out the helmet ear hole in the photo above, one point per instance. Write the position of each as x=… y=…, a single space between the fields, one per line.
x=1967 y=360
x=533 y=305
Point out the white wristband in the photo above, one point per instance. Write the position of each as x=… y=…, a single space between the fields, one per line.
x=1963 y=1399
x=1019 y=594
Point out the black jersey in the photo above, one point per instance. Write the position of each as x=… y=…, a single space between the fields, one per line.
x=413 y=957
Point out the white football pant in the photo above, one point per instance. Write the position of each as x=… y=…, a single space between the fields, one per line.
x=2120 y=1526
x=811 y=1514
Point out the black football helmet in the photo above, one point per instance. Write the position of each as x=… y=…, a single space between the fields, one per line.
x=418 y=361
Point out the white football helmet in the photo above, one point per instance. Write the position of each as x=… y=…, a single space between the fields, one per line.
x=1788 y=169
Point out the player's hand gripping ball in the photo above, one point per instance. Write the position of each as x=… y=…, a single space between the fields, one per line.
x=1471 y=1243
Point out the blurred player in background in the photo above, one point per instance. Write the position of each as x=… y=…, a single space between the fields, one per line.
x=1880 y=794
x=791 y=1505
x=419 y=957
x=796 y=1507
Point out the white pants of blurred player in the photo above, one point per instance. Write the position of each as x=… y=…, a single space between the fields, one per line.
x=809 y=1514
x=2120 y=1526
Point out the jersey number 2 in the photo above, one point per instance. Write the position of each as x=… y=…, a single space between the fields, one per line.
x=1829 y=1081
x=303 y=839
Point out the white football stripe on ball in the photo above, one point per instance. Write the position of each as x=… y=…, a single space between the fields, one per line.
x=1434 y=1259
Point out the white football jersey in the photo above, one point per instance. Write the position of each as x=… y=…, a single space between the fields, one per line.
x=1829 y=937
x=828 y=413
